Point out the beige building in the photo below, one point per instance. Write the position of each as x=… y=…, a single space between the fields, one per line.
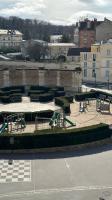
x=10 y=38
x=97 y=64
x=57 y=50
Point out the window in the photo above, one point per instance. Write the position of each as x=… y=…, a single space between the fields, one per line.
x=73 y=58
x=85 y=34
x=85 y=69
x=85 y=64
x=107 y=73
x=85 y=41
x=108 y=63
x=94 y=65
x=98 y=49
x=93 y=73
x=85 y=72
x=108 y=52
x=85 y=56
x=94 y=57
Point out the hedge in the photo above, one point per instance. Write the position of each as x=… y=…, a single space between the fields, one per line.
x=46 y=97
x=69 y=98
x=14 y=98
x=14 y=88
x=37 y=87
x=11 y=98
x=42 y=139
x=5 y=99
x=28 y=115
x=101 y=93
x=59 y=93
x=86 y=95
x=33 y=92
x=93 y=94
x=64 y=103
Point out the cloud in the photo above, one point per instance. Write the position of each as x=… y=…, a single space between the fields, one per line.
x=88 y=14
x=24 y=8
x=59 y=11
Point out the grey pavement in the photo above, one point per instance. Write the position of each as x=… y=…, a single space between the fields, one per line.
x=81 y=175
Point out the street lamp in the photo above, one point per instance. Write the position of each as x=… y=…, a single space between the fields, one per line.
x=94 y=75
x=10 y=161
x=95 y=78
x=108 y=82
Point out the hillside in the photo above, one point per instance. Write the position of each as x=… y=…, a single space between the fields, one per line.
x=34 y=28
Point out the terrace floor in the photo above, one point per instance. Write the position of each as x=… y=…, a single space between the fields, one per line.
x=87 y=118
x=90 y=116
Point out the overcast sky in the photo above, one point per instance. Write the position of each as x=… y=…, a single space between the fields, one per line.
x=57 y=11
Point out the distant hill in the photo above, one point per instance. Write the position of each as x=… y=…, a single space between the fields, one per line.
x=34 y=28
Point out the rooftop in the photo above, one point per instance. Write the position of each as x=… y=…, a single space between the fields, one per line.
x=61 y=44
x=56 y=36
x=77 y=51
x=13 y=32
x=88 y=25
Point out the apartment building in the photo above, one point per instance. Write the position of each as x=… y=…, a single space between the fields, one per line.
x=87 y=33
x=97 y=64
x=104 y=31
x=10 y=38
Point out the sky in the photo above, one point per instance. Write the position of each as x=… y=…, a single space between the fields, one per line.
x=57 y=11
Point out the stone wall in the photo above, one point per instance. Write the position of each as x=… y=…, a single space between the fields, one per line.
x=26 y=75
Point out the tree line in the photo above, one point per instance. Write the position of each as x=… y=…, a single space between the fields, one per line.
x=36 y=29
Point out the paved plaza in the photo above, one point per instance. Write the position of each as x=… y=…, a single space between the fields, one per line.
x=81 y=175
x=18 y=171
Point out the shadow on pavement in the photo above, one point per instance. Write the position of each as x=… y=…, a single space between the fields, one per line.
x=57 y=155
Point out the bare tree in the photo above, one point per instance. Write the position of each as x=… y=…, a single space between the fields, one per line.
x=37 y=51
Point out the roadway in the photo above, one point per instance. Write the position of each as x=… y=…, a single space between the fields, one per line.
x=77 y=175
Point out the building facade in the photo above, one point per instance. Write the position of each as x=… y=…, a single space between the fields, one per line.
x=10 y=38
x=58 y=50
x=97 y=64
x=44 y=74
x=87 y=33
x=104 y=31
x=55 y=38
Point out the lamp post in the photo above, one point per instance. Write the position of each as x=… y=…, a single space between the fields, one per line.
x=10 y=161
x=108 y=82
x=95 y=78
x=94 y=75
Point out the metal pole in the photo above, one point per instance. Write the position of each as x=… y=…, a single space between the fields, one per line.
x=108 y=82
x=95 y=78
